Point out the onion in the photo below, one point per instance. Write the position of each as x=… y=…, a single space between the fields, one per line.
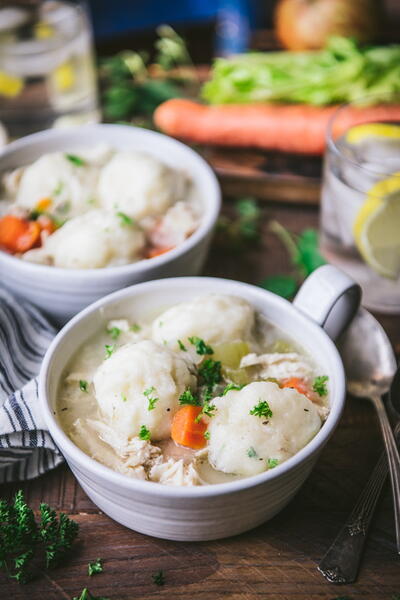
x=307 y=24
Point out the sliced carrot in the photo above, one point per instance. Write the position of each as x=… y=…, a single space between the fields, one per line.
x=153 y=252
x=298 y=384
x=30 y=238
x=18 y=235
x=46 y=224
x=44 y=204
x=185 y=430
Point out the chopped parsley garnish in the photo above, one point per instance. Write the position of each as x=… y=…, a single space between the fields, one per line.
x=86 y=595
x=272 y=462
x=58 y=189
x=124 y=398
x=188 y=398
x=159 y=578
x=135 y=327
x=251 y=453
x=144 y=433
x=319 y=385
x=83 y=385
x=232 y=386
x=125 y=219
x=201 y=347
x=95 y=567
x=262 y=409
x=110 y=348
x=207 y=435
x=207 y=410
x=75 y=160
x=26 y=546
x=210 y=372
x=152 y=399
x=182 y=346
x=114 y=332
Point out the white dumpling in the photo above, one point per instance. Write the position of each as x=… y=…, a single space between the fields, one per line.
x=54 y=176
x=121 y=380
x=242 y=443
x=139 y=185
x=94 y=240
x=213 y=318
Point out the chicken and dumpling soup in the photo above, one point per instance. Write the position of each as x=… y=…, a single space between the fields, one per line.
x=207 y=392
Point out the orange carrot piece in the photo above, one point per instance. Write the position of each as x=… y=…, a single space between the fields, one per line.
x=154 y=251
x=44 y=204
x=298 y=128
x=30 y=238
x=11 y=228
x=46 y=224
x=298 y=384
x=185 y=430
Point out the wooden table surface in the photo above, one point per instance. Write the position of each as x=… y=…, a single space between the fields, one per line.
x=276 y=561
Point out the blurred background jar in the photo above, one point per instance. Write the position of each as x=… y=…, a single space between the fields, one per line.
x=47 y=71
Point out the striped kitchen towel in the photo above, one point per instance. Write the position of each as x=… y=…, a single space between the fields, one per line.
x=26 y=448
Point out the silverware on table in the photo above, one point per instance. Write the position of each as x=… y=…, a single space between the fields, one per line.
x=370 y=365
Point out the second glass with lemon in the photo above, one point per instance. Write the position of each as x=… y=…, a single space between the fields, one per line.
x=360 y=212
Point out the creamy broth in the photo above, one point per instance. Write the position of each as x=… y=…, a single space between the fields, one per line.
x=101 y=404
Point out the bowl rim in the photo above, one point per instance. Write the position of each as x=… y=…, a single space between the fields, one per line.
x=208 y=221
x=150 y=488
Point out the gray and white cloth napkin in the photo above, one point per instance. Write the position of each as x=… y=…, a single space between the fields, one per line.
x=26 y=447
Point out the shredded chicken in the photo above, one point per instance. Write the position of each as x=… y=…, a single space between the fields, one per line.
x=277 y=365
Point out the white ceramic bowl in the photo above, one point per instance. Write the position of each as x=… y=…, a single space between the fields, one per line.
x=61 y=293
x=213 y=511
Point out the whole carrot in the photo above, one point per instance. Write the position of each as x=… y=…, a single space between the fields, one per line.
x=296 y=128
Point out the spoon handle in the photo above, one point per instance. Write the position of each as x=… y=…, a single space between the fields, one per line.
x=393 y=462
x=342 y=560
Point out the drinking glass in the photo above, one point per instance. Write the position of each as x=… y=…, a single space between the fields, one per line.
x=360 y=202
x=47 y=73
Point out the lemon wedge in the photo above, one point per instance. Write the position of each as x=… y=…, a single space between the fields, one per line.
x=359 y=133
x=376 y=228
x=64 y=77
x=10 y=86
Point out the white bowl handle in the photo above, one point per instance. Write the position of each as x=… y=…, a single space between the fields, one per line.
x=330 y=298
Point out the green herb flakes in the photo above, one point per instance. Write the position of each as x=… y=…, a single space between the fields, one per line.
x=201 y=347
x=182 y=346
x=86 y=595
x=83 y=385
x=110 y=349
x=319 y=385
x=144 y=433
x=206 y=435
x=124 y=398
x=207 y=410
x=135 y=328
x=95 y=567
x=125 y=219
x=75 y=160
x=232 y=386
x=251 y=453
x=210 y=372
x=188 y=398
x=58 y=189
x=272 y=462
x=114 y=332
x=262 y=410
x=159 y=578
x=152 y=399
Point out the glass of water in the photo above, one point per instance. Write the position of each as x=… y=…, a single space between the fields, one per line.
x=47 y=73
x=360 y=203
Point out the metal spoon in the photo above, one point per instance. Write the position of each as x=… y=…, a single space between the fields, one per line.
x=366 y=352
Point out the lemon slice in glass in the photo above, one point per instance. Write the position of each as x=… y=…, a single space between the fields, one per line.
x=376 y=228
x=359 y=133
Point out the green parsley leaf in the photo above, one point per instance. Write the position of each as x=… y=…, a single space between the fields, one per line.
x=58 y=189
x=207 y=410
x=114 y=332
x=75 y=160
x=201 y=347
x=144 y=433
x=83 y=385
x=124 y=398
x=110 y=348
x=159 y=578
x=272 y=462
x=152 y=399
x=86 y=595
x=125 y=219
x=282 y=285
x=188 y=398
x=210 y=372
x=95 y=567
x=232 y=386
x=182 y=346
x=262 y=409
x=207 y=435
x=319 y=385
x=135 y=327
x=251 y=453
